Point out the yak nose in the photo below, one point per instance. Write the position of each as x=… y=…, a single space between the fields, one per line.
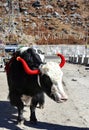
x=64 y=98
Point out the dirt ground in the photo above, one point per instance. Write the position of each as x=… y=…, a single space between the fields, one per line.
x=71 y=115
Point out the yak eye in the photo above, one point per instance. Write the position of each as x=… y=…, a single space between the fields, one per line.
x=53 y=89
x=39 y=51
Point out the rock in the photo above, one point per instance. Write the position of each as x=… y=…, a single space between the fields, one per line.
x=33 y=14
x=33 y=25
x=49 y=7
x=74 y=79
x=25 y=13
x=70 y=15
x=36 y=4
x=76 y=16
x=56 y=14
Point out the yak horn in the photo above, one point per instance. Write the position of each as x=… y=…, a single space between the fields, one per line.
x=62 y=60
x=26 y=67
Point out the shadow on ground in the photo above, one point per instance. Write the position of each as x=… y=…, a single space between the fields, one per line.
x=50 y=126
x=7 y=116
x=8 y=120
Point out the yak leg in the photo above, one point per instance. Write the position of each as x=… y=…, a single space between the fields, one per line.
x=33 y=115
x=15 y=100
x=41 y=100
x=32 y=111
x=37 y=99
x=20 y=112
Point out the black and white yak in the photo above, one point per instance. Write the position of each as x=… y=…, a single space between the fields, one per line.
x=27 y=74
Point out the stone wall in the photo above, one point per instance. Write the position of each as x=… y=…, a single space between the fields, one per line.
x=66 y=50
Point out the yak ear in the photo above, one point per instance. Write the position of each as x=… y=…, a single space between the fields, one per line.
x=15 y=54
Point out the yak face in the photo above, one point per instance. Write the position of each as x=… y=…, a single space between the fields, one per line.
x=32 y=56
x=52 y=81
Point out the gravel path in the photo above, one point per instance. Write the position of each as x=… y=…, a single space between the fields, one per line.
x=71 y=115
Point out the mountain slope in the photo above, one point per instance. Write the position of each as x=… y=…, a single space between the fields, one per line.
x=45 y=21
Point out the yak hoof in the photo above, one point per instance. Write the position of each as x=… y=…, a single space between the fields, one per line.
x=41 y=106
x=33 y=121
x=20 y=120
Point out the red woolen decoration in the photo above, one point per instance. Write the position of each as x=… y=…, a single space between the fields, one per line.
x=26 y=67
x=62 y=60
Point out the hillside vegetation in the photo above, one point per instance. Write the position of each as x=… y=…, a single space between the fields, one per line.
x=44 y=21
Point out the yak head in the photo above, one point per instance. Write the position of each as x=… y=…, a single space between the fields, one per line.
x=30 y=58
x=51 y=81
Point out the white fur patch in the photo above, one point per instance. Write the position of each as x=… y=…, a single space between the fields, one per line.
x=41 y=55
x=22 y=49
x=26 y=99
x=52 y=69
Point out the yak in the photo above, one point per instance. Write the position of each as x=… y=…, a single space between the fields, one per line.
x=28 y=74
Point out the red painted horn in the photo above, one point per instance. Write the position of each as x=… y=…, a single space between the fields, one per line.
x=26 y=67
x=62 y=60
